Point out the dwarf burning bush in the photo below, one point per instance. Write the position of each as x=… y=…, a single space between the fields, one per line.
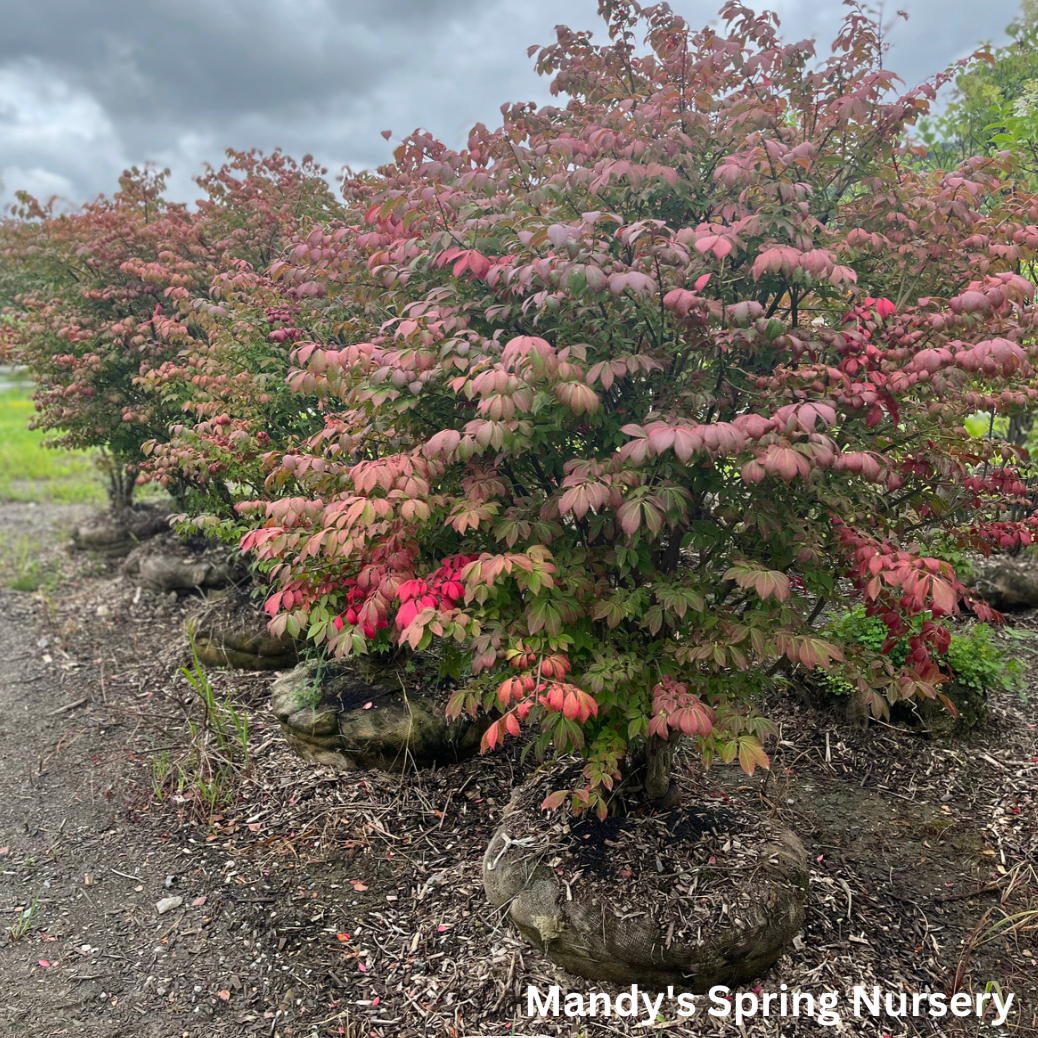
x=228 y=380
x=660 y=374
x=124 y=324
x=89 y=311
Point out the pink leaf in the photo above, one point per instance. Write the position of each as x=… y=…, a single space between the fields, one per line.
x=714 y=243
x=629 y=514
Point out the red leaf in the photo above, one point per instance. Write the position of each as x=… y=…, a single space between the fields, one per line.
x=714 y=243
x=554 y=800
x=944 y=598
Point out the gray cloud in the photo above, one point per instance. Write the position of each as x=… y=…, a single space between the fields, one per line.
x=87 y=89
x=197 y=57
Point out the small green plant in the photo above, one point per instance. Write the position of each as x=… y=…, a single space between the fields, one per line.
x=228 y=728
x=161 y=769
x=1016 y=639
x=23 y=923
x=854 y=627
x=309 y=695
x=20 y=567
x=216 y=792
x=977 y=660
x=857 y=628
x=973 y=658
x=208 y=774
x=29 y=580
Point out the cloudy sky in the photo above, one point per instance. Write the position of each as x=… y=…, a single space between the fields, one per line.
x=89 y=88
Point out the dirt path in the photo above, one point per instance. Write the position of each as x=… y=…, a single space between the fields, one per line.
x=75 y=966
x=54 y=818
x=83 y=948
x=301 y=904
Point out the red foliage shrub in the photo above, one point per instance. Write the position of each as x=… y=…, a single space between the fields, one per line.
x=615 y=401
x=126 y=328
x=631 y=406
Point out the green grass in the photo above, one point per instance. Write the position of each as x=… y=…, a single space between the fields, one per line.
x=22 y=567
x=207 y=776
x=31 y=472
x=23 y=923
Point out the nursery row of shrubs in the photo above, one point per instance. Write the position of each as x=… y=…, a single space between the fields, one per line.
x=605 y=412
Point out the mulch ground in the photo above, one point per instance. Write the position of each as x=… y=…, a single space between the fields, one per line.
x=313 y=902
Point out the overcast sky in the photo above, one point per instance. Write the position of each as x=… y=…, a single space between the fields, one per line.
x=89 y=87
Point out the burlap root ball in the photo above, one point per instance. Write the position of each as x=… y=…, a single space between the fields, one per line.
x=342 y=719
x=697 y=896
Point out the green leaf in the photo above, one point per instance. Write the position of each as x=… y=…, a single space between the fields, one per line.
x=977 y=424
x=543 y=614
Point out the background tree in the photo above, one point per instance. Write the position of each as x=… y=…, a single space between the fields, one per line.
x=230 y=384
x=993 y=106
x=122 y=324
x=994 y=110
x=88 y=320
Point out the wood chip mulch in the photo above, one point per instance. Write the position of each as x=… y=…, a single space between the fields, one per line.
x=352 y=904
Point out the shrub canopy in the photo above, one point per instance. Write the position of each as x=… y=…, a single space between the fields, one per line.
x=121 y=315
x=652 y=377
